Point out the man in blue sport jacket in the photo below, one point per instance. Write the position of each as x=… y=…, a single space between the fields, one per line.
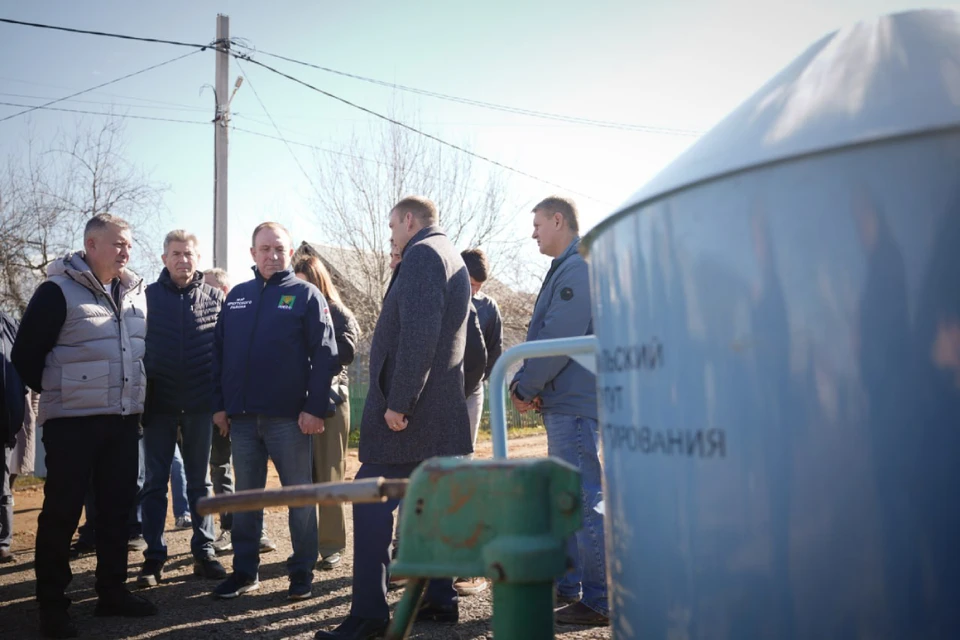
x=275 y=356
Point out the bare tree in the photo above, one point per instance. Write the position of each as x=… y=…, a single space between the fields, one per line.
x=356 y=188
x=50 y=190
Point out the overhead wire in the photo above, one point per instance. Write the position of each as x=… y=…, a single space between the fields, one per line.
x=491 y=105
x=246 y=76
x=240 y=56
x=99 y=86
x=158 y=106
x=403 y=125
x=104 y=113
x=107 y=34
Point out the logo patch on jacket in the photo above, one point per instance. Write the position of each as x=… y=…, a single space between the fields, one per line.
x=566 y=293
x=286 y=302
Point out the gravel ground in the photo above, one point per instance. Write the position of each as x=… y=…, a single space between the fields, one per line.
x=187 y=611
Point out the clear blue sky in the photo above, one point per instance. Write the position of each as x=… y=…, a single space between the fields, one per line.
x=681 y=64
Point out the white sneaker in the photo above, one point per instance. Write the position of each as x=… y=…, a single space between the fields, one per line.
x=184 y=522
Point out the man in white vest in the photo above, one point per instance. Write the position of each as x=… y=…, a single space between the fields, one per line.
x=81 y=345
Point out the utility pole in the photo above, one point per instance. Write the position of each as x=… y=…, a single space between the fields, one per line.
x=222 y=120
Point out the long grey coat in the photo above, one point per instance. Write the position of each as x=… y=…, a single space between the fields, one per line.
x=416 y=359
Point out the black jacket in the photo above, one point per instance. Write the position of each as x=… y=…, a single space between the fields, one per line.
x=179 y=345
x=347 y=332
x=474 y=355
x=13 y=394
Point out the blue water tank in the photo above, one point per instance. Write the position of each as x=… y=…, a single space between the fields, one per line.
x=778 y=315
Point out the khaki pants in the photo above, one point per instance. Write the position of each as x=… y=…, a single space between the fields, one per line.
x=475 y=412
x=329 y=465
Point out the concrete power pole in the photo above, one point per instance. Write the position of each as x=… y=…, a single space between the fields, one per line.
x=220 y=246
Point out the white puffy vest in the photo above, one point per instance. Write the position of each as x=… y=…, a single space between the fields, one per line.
x=96 y=367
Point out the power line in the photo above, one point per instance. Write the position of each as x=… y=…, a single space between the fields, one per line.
x=102 y=93
x=121 y=36
x=279 y=133
x=99 y=86
x=403 y=125
x=494 y=106
x=400 y=87
x=353 y=156
x=159 y=106
x=103 y=113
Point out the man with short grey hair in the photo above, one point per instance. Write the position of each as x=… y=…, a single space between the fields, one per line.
x=81 y=346
x=179 y=361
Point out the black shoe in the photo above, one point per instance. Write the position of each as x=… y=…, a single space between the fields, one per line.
x=56 y=623
x=150 y=573
x=354 y=628
x=563 y=600
x=237 y=584
x=581 y=615
x=124 y=604
x=81 y=548
x=209 y=569
x=6 y=555
x=446 y=613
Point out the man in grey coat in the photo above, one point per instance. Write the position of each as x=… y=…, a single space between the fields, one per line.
x=566 y=394
x=416 y=407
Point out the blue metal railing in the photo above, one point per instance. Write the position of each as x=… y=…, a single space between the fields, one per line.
x=582 y=349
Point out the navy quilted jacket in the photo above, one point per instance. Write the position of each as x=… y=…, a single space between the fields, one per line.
x=179 y=357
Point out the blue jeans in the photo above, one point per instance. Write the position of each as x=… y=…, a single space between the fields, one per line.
x=159 y=444
x=575 y=439
x=178 y=484
x=254 y=438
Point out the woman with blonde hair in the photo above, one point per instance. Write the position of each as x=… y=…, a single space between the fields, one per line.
x=330 y=447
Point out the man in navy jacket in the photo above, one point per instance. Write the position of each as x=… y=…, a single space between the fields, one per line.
x=183 y=313
x=275 y=356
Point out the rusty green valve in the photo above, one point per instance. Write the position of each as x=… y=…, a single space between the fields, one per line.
x=507 y=520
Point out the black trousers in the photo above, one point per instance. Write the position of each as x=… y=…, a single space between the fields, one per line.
x=104 y=451
x=221 y=472
x=372 y=537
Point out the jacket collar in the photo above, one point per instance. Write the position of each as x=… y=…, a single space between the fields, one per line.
x=423 y=234
x=555 y=264
x=569 y=251
x=75 y=267
x=195 y=281
x=278 y=278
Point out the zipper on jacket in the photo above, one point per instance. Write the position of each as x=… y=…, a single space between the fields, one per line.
x=180 y=361
x=253 y=332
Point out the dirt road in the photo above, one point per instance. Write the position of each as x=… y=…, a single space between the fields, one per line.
x=187 y=612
